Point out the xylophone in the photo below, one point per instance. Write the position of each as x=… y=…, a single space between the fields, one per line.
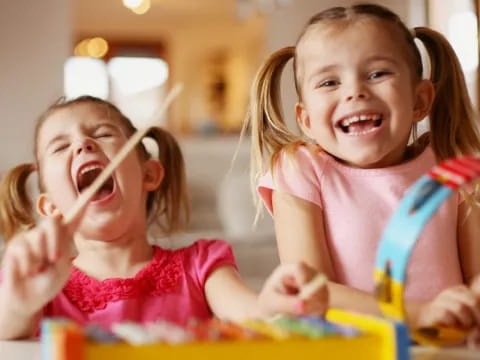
x=341 y=336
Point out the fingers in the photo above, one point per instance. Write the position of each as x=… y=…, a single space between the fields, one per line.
x=291 y=278
x=26 y=254
x=455 y=307
x=298 y=290
x=33 y=251
x=466 y=305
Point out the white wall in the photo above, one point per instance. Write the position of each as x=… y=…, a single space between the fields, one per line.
x=35 y=41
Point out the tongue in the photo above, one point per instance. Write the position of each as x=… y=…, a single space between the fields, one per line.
x=102 y=193
x=360 y=126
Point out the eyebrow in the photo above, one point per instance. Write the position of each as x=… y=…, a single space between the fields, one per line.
x=107 y=125
x=383 y=58
x=57 y=138
x=370 y=59
x=322 y=70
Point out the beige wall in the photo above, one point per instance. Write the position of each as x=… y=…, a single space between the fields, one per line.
x=35 y=42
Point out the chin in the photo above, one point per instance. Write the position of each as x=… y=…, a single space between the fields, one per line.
x=365 y=162
x=102 y=228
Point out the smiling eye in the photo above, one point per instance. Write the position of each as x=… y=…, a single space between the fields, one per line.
x=328 y=83
x=378 y=74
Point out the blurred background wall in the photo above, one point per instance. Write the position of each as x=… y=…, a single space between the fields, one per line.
x=212 y=46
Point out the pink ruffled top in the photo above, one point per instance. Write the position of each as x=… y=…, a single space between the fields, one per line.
x=170 y=287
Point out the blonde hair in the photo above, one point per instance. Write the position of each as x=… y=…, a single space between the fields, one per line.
x=167 y=206
x=453 y=130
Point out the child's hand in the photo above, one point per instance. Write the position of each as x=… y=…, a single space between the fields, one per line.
x=457 y=307
x=282 y=290
x=36 y=266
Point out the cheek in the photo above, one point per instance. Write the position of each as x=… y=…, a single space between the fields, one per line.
x=318 y=106
x=402 y=95
x=131 y=170
x=56 y=181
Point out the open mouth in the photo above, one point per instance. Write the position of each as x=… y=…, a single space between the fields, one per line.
x=360 y=124
x=87 y=175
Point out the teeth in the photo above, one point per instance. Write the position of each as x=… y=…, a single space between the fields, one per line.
x=362 y=132
x=89 y=168
x=356 y=118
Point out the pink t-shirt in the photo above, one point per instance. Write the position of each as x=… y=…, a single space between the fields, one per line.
x=357 y=204
x=170 y=287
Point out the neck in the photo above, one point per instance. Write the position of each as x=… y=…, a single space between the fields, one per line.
x=117 y=258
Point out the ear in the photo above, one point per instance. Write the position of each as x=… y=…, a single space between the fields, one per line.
x=153 y=174
x=424 y=96
x=45 y=207
x=303 y=119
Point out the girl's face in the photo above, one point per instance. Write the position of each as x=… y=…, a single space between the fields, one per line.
x=74 y=145
x=359 y=99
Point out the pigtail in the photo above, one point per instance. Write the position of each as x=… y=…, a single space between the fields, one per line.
x=452 y=121
x=169 y=206
x=16 y=210
x=269 y=133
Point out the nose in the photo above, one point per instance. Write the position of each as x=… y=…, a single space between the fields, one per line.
x=357 y=91
x=356 y=96
x=86 y=146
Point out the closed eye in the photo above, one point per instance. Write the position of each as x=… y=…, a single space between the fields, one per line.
x=60 y=148
x=103 y=135
x=104 y=131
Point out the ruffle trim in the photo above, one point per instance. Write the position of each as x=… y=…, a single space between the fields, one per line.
x=160 y=276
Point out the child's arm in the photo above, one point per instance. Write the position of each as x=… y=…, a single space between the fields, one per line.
x=36 y=266
x=300 y=237
x=230 y=298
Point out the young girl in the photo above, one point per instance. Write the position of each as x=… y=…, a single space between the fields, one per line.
x=117 y=276
x=358 y=75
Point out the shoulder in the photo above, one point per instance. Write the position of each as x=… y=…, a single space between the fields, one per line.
x=206 y=247
x=294 y=166
x=305 y=156
x=297 y=171
x=206 y=255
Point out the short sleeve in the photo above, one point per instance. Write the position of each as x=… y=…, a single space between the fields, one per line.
x=298 y=175
x=210 y=255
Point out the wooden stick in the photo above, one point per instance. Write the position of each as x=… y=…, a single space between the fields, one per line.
x=316 y=283
x=85 y=196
